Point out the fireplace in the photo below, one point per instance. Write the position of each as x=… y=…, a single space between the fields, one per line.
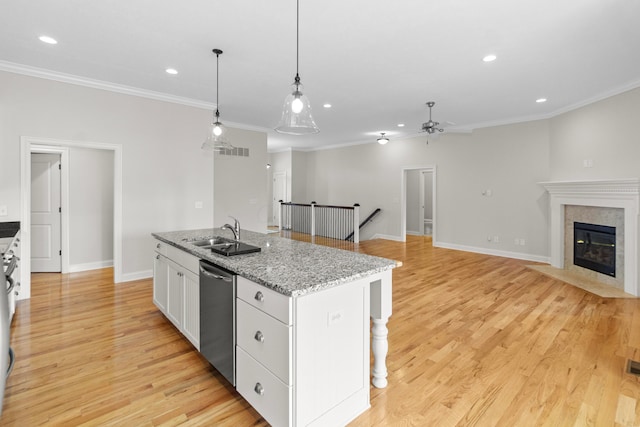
x=594 y=247
x=621 y=194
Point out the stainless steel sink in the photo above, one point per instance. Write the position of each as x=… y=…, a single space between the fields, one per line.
x=209 y=243
x=223 y=246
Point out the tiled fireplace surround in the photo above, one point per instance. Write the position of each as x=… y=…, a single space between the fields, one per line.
x=605 y=202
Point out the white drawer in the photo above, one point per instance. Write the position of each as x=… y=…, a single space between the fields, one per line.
x=271 y=302
x=266 y=339
x=185 y=259
x=265 y=392
x=160 y=247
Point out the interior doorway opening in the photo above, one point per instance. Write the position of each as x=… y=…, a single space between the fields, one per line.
x=33 y=144
x=418 y=204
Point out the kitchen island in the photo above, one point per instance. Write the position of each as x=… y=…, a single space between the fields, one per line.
x=320 y=371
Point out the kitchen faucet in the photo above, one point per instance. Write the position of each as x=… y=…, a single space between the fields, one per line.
x=235 y=229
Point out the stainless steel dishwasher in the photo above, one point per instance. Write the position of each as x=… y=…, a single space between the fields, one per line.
x=218 y=318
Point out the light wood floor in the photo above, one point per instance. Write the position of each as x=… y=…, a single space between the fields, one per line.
x=474 y=340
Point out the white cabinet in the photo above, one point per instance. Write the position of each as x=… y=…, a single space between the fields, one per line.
x=191 y=325
x=160 y=282
x=176 y=290
x=304 y=360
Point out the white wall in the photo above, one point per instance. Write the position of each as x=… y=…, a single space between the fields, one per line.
x=605 y=132
x=164 y=170
x=241 y=183
x=508 y=160
x=280 y=163
x=299 y=178
x=90 y=209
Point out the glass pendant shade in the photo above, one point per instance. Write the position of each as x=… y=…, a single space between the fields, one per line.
x=217 y=136
x=296 y=114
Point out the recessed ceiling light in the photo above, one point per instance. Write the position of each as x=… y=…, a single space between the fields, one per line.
x=489 y=58
x=48 y=40
x=541 y=100
x=400 y=125
x=171 y=71
x=327 y=105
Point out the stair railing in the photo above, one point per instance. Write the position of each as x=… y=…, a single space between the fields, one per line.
x=330 y=221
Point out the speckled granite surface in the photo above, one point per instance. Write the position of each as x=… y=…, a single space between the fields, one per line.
x=287 y=266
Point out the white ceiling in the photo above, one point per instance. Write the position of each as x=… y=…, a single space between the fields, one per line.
x=376 y=61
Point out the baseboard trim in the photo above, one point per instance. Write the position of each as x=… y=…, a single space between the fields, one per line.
x=138 y=275
x=386 y=237
x=76 y=268
x=494 y=252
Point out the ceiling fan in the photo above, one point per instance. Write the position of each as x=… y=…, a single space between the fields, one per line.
x=431 y=126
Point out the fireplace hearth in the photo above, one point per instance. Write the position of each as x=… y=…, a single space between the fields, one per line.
x=594 y=247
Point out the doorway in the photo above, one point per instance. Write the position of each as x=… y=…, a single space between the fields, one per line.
x=418 y=202
x=32 y=144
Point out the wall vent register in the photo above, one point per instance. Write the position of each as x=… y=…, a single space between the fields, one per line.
x=594 y=247
x=235 y=151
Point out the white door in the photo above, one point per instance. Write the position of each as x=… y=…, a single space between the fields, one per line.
x=279 y=193
x=45 y=213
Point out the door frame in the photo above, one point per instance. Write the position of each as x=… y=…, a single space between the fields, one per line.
x=276 y=212
x=403 y=200
x=64 y=200
x=423 y=200
x=27 y=144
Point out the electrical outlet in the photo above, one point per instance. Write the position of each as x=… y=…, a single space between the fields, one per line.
x=587 y=163
x=199 y=205
x=522 y=242
x=496 y=239
x=3 y=210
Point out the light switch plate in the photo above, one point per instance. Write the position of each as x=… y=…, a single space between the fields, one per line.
x=3 y=210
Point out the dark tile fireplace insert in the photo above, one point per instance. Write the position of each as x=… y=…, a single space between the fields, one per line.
x=594 y=247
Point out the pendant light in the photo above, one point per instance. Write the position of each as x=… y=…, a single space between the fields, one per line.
x=296 y=115
x=383 y=139
x=217 y=137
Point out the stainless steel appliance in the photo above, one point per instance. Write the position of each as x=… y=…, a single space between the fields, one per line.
x=217 y=318
x=6 y=354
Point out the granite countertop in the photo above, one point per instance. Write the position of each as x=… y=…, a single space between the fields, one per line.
x=287 y=266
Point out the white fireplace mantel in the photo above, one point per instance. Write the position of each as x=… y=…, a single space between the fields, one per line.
x=612 y=193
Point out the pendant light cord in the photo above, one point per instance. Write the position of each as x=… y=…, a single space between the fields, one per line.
x=217 y=84
x=297 y=80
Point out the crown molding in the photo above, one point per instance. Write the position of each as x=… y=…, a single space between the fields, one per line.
x=102 y=85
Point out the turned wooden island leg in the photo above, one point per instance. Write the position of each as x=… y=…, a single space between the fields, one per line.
x=380 y=346
x=380 y=312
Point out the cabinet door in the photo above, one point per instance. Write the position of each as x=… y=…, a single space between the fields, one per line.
x=191 y=326
x=160 y=282
x=175 y=303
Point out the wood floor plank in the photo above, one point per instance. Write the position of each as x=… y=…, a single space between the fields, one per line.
x=474 y=340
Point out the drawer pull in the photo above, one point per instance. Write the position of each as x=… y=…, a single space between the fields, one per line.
x=259 y=336
x=157 y=256
x=259 y=389
x=259 y=296
x=158 y=246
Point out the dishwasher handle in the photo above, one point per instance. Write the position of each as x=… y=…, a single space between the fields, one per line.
x=215 y=276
